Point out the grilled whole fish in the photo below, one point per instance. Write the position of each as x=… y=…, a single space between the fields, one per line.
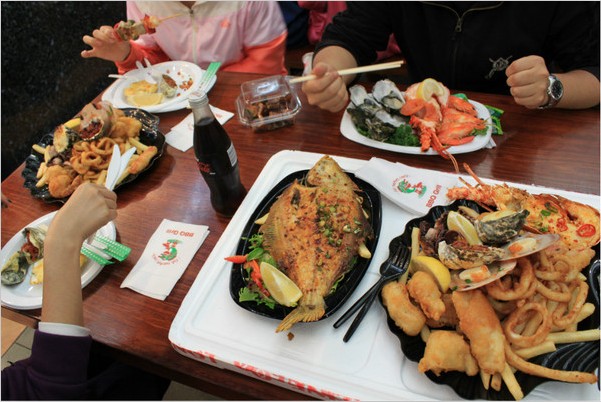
x=314 y=233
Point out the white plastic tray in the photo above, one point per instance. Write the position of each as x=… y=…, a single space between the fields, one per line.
x=211 y=328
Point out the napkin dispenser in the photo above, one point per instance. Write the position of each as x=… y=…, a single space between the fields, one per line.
x=267 y=103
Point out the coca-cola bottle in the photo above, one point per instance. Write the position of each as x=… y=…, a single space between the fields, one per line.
x=216 y=157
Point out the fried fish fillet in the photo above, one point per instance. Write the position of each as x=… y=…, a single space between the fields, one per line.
x=314 y=233
x=480 y=324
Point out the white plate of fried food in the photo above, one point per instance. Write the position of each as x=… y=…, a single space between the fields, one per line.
x=80 y=150
x=174 y=81
x=472 y=340
x=27 y=295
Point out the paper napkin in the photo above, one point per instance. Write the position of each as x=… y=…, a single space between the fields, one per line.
x=415 y=190
x=165 y=258
x=181 y=135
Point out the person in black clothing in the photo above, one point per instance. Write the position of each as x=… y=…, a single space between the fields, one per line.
x=525 y=49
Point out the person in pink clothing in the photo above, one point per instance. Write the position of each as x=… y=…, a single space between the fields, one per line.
x=245 y=36
x=321 y=14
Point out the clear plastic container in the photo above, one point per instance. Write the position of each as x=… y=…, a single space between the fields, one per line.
x=267 y=103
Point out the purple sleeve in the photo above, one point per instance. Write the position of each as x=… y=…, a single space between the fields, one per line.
x=57 y=369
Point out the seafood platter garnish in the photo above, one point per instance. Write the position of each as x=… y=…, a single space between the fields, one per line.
x=80 y=150
x=485 y=295
x=425 y=115
x=307 y=246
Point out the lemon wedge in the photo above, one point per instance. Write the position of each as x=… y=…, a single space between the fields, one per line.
x=462 y=225
x=282 y=289
x=429 y=87
x=145 y=99
x=435 y=268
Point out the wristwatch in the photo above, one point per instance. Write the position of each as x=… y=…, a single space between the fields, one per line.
x=555 y=92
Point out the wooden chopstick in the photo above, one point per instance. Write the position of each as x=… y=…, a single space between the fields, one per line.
x=355 y=70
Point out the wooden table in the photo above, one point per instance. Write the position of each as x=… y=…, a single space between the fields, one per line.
x=552 y=148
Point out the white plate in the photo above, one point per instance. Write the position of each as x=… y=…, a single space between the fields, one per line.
x=316 y=362
x=180 y=71
x=347 y=128
x=25 y=296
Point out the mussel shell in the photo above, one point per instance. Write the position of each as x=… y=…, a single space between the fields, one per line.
x=542 y=242
x=468 y=257
x=15 y=269
x=502 y=230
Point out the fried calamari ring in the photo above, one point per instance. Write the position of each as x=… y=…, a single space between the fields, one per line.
x=500 y=291
x=557 y=291
x=559 y=319
x=103 y=146
x=520 y=316
x=78 y=165
x=91 y=159
x=82 y=146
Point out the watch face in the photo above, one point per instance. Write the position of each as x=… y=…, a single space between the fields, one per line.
x=556 y=89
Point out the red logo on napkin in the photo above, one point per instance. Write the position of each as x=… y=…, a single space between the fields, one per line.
x=402 y=185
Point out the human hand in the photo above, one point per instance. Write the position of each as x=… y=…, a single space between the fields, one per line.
x=89 y=208
x=528 y=79
x=105 y=45
x=328 y=90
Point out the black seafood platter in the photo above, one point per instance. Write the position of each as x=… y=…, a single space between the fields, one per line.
x=371 y=204
x=579 y=356
x=149 y=135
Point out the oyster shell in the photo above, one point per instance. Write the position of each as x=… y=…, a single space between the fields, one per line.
x=500 y=227
x=370 y=116
x=15 y=269
x=389 y=96
x=464 y=256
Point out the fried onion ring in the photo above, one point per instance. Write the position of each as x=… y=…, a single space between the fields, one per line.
x=521 y=315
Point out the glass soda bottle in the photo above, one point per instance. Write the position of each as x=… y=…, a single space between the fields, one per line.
x=216 y=157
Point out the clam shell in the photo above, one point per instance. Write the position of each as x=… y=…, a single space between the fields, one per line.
x=530 y=243
x=497 y=269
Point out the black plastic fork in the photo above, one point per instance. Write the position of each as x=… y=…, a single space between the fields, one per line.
x=395 y=266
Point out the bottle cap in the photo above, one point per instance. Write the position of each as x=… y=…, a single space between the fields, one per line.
x=198 y=98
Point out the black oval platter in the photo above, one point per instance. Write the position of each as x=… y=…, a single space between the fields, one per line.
x=149 y=135
x=371 y=203
x=580 y=356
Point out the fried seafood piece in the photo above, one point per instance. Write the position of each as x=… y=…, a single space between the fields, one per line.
x=142 y=161
x=423 y=289
x=405 y=314
x=315 y=234
x=447 y=351
x=481 y=326
x=448 y=318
